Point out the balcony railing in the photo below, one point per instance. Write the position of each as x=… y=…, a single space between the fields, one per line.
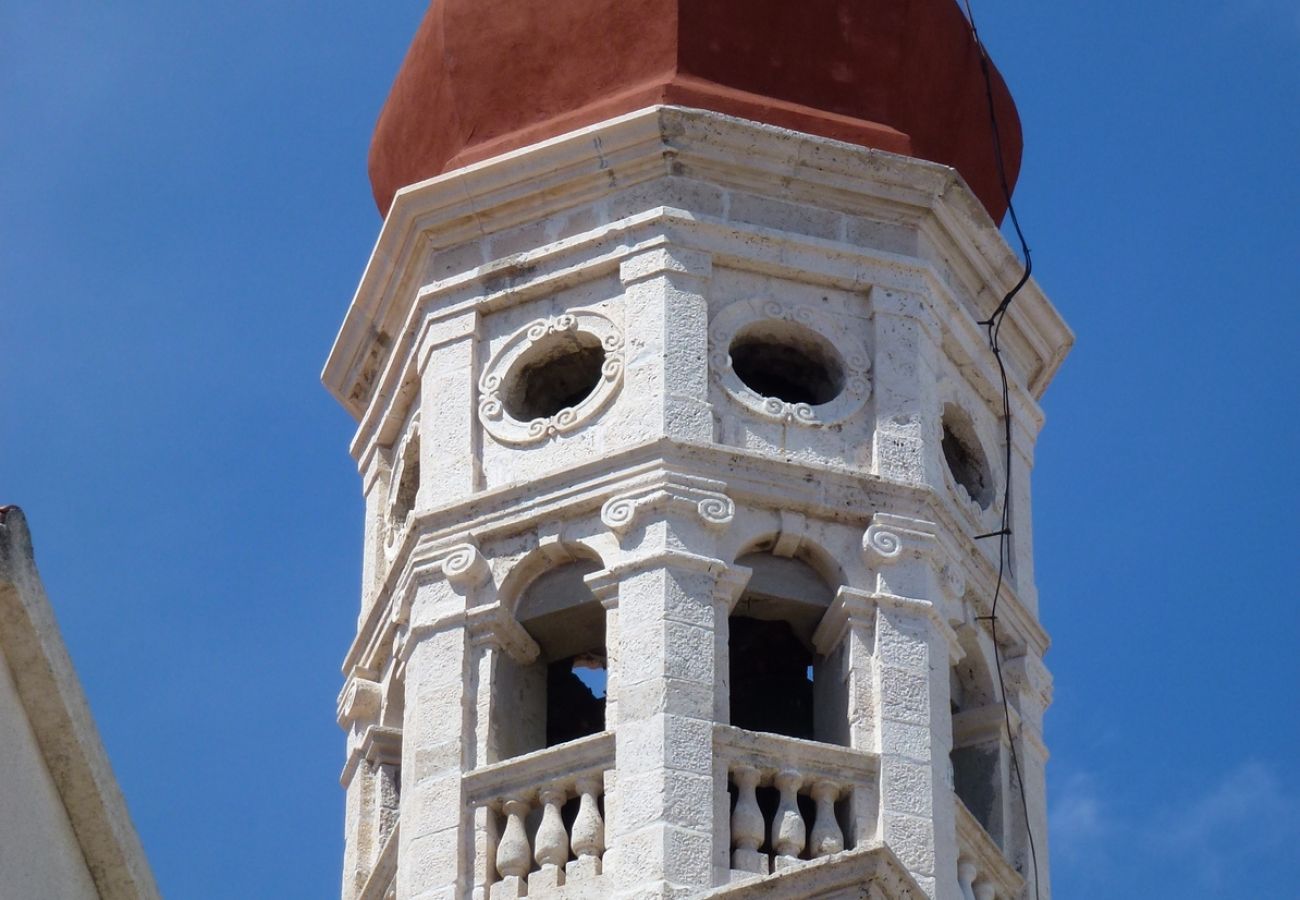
x=794 y=800
x=544 y=831
x=982 y=871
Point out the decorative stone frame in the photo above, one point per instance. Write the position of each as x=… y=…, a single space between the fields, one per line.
x=958 y=493
x=394 y=530
x=491 y=408
x=853 y=358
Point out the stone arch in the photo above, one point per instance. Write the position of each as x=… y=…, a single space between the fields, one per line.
x=559 y=696
x=980 y=755
x=777 y=681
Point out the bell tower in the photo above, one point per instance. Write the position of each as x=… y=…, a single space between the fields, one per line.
x=678 y=434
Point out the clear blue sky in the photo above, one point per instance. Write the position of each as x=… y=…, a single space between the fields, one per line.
x=184 y=214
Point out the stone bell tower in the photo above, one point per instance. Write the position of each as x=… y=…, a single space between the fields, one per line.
x=677 y=432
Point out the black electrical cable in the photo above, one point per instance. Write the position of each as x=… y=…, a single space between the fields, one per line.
x=993 y=324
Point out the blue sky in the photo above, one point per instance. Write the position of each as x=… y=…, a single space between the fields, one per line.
x=184 y=213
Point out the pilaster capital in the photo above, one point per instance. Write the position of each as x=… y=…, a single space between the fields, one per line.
x=665 y=259
x=854 y=607
x=494 y=627
x=359 y=701
x=731 y=584
x=891 y=539
x=439 y=331
x=1027 y=674
x=674 y=492
x=851 y=607
x=460 y=564
x=604 y=587
x=668 y=558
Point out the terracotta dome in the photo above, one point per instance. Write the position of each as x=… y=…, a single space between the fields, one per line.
x=487 y=76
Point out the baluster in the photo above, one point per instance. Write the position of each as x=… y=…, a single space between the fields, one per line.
x=552 y=841
x=789 y=835
x=966 y=873
x=986 y=890
x=826 y=835
x=747 y=823
x=513 y=856
x=588 y=841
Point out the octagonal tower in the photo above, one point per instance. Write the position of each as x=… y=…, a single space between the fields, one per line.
x=677 y=430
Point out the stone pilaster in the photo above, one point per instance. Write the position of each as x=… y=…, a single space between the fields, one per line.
x=663 y=839
x=437 y=731
x=911 y=658
x=1029 y=684
x=667 y=322
x=449 y=443
x=906 y=340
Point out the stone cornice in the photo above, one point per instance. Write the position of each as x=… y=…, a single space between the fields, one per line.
x=752 y=479
x=582 y=166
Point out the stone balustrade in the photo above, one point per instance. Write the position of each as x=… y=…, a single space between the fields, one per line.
x=545 y=832
x=793 y=800
x=983 y=873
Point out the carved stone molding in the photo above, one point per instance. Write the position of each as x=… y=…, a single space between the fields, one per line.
x=361 y=699
x=889 y=539
x=494 y=626
x=462 y=565
x=1028 y=674
x=492 y=407
x=397 y=525
x=701 y=497
x=853 y=360
x=465 y=567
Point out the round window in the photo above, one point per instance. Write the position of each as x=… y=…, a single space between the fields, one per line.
x=788 y=362
x=965 y=457
x=556 y=373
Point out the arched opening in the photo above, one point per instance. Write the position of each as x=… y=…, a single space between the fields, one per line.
x=560 y=697
x=965 y=457
x=778 y=682
x=979 y=758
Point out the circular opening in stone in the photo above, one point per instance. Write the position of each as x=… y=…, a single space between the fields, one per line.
x=558 y=372
x=965 y=457
x=788 y=362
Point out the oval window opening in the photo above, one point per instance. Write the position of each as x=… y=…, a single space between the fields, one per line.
x=965 y=459
x=554 y=375
x=788 y=362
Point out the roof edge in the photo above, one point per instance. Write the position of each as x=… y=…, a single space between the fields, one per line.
x=61 y=720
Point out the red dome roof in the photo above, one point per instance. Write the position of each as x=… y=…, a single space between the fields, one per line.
x=487 y=76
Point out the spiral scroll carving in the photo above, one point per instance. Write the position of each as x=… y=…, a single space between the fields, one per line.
x=882 y=543
x=492 y=409
x=465 y=567
x=716 y=510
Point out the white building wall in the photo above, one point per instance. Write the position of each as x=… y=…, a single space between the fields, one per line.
x=39 y=854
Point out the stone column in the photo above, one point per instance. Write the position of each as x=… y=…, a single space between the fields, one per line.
x=910 y=659
x=437 y=732
x=665 y=302
x=663 y=839
x=847 y=634
x=1029 y=686
x=358 y=711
